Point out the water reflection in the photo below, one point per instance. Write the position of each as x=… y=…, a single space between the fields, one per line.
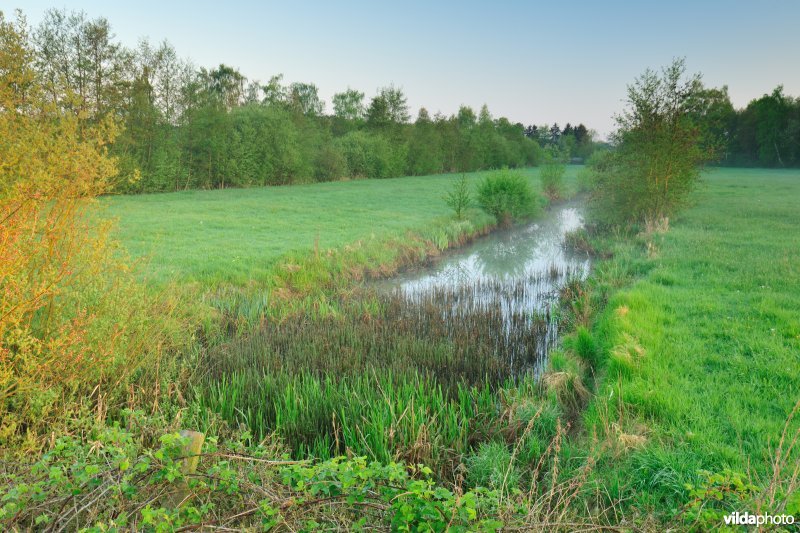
x=531 y=251
x=515 y=273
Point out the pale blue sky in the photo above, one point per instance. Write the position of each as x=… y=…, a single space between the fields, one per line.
x=534 y=62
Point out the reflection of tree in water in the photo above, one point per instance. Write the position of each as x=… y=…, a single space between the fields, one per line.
x=505 y=258
x=512 y=280
x=531 y=249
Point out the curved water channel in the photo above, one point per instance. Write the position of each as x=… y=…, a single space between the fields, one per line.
x=479 y=316
x=515 y=272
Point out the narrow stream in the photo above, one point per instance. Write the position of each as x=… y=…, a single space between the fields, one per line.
x=449 y=334
x=516 y=273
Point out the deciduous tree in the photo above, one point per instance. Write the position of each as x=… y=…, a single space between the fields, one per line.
x=349 y=105
x=659 y=150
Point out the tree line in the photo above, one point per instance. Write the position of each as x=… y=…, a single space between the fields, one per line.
x=766 y=133
x=186 y=127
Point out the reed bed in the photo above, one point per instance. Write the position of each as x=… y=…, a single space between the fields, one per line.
x=416 y=375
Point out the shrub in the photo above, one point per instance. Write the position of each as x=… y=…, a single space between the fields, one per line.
x=329 y=164
x=371 y=155
x=458 y=198
x=506 y=195
x=75 y=326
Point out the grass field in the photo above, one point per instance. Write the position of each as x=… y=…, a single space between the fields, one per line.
x=236 y=235
x=717 y=318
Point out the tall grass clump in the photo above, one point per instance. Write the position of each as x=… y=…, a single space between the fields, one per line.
x=552 y=176
x=380 y=414
x=492 y=466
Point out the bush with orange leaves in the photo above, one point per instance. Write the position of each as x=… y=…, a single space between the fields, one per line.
x=74 y=324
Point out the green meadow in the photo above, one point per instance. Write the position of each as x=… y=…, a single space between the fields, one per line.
x=703 y=348
x=237 y=235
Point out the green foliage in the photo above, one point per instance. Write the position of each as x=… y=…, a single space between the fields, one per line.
x=718 y=495
x=424 y=153
x=109 y=475
x=659 y=151
x=266 y=148
x=572 y=143
x=348 y=105
x=330 y=164
x=115 y=481
x=388 y=108
x=766 y=133
x=369 y=155
x=459 y=198
x=506 y=195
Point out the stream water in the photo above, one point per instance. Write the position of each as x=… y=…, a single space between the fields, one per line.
x=516 y=273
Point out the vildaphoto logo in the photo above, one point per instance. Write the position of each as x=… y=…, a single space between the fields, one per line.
x=747 y=519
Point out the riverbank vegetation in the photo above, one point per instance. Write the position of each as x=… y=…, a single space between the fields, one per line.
x=507 y=196
x=76 y=327
x=660 y=149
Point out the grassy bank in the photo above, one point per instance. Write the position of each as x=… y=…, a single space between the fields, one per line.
x=702 y=352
